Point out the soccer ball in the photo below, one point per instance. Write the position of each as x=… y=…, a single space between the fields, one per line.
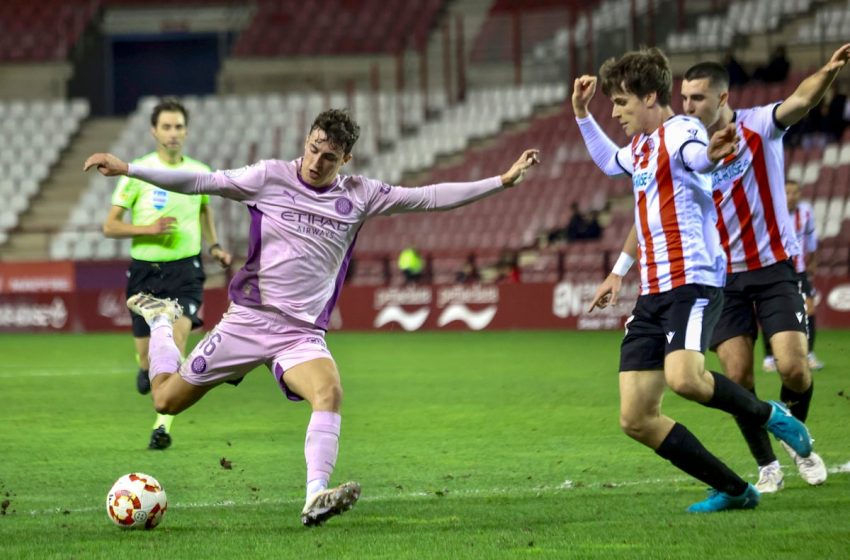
x=136 y=501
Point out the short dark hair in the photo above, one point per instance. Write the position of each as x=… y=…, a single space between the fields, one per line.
x=639 y=72
x=340 y=128
x=718 y=76
x=169 y=104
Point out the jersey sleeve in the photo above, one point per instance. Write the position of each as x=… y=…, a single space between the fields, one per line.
x=125 y=193
x=384 y=199
x=243 y=184
x=687 y=141
x=763 y=120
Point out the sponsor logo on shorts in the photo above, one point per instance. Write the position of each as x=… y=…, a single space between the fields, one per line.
x=343 y=206
x=199 y=365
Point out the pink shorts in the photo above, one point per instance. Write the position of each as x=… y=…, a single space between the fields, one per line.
x=246 y=338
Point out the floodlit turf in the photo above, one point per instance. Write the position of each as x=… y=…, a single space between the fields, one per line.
x=468 y=445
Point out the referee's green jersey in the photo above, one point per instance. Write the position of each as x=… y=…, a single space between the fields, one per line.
x=148 y=203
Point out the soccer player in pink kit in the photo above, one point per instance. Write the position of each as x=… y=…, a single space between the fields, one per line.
x=305 y=217
x=759 y=240
x=682 y=268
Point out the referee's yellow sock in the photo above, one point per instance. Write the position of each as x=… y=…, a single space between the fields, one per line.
x=163 y=420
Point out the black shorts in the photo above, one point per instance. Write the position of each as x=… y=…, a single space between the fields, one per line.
x=182 y=280
x=806 y=287
x=681 y=319
x=769 y=297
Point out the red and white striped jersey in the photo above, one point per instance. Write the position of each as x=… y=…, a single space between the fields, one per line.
x=749 y=193
x=803 y=218
x=675 y=217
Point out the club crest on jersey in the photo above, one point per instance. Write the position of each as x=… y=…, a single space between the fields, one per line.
x=160 y=197
x=344 y=206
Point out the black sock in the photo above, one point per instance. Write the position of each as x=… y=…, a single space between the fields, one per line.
x=811 y=333
x=684 y=450
x=143 y=371
x=737 y=401
x=757 y=439
x=798 y=403
x=768 y=351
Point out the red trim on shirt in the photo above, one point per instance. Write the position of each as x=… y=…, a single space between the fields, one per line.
x=669 y=219
x=651 y=267
x=759 y=165
x=745 y=224
x=721 y=228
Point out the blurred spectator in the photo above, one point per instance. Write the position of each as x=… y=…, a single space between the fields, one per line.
x=737 y=75
x=468 y=274
x=777 y=67
x=580 y=227
x=508 y=267
x=822 y=125
x=411 y=264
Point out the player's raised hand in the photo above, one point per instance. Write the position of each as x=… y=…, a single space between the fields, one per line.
x=516 y=173
x=107 y=165
x=607 y=293
x=723 y=143
x=163 y=226
x=839 y=58
x=583 y=89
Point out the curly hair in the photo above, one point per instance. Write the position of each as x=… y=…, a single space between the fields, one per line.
x=169 y=104
x=639 y=72
x=340 y=128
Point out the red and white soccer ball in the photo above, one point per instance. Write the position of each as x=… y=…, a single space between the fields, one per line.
x=136 y=501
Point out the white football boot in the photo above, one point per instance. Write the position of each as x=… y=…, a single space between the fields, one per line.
x=151 y=307
x=771 y=479
x=812 y=468
x=323 y=505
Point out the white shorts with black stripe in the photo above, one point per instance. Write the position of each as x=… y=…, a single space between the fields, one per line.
x=680 y=319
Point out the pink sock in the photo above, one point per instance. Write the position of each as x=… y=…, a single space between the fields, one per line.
x=322 y=446
x=163 y=353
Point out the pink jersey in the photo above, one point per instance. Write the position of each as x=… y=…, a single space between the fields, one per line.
x=803 y=218
x=301 y=237
x=678 y=242
x=749 y=192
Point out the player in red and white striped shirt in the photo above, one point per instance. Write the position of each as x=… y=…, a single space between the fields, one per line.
x=805 y=262
x=758 y=237
x=682 y=272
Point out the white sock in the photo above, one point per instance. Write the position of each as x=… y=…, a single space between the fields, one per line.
x=315 y=486
x=159 y=321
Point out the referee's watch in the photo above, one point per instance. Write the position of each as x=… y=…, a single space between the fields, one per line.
x=212 y=248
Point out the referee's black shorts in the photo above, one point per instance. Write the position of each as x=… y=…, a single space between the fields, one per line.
x=182 y=280
x=680 y=319
x=769 y=297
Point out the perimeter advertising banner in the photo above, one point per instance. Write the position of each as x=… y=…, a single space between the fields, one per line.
x=89 y=296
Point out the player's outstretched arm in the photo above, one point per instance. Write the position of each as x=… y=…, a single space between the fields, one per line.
x=516 y=173
x=107 y=165
x=812 y=89
x=387 y=200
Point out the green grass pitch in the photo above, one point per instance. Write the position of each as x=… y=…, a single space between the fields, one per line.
x=467 y=445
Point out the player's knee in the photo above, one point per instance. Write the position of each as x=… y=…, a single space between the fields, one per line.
x=795 y=373
x=635 y=428
x=328 y=398
x=166 y=404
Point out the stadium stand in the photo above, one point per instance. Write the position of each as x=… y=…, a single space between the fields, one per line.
x=410 y=136
x=33 y=135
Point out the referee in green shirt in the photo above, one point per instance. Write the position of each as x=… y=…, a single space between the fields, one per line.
x=166 y=229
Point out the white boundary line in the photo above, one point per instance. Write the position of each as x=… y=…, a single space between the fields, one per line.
x=567 y=485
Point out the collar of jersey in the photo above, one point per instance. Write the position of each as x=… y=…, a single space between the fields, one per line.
x=319 y=190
